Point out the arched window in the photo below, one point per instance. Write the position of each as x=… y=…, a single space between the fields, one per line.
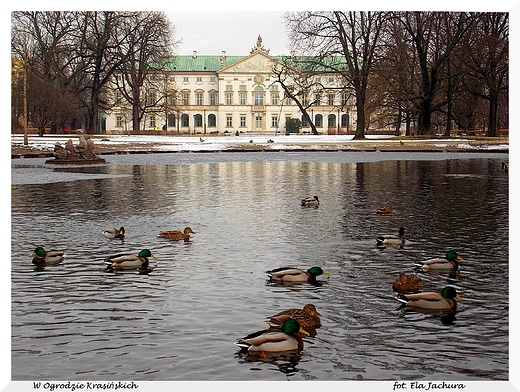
x=318 y=120
x=331 y=122
x=258 y=95
x=344 y=120
x=171 y=120
x=185 y=120
x=212 y=120
x=197 y=120
x=305 y=123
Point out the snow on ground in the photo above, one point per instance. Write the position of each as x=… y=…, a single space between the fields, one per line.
x=218 y=143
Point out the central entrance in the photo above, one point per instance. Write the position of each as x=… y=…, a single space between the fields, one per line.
x=258 y=122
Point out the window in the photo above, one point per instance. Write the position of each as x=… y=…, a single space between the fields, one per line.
x=171 y=99
x=258 y=95
x=212 y=120
x=331 y=80
x=318 y=120
x=199 y=78
x=229 y=98
x=197 y=120
x=274 y=87
x=185 y=79
x=317 y=79
x=331 y=99
x=229 y=87
x=212 y=79
x=242 y=120
x=185 y=120
x=172 y=79
x=274 y=121
x=344 y=99
x=152 y=121
x=305 y=123
x=305 y=100
x=212 y=98
x=344 y=120
x=258 y=120
x=243 y=87
x=198 y=98
x=185 y=99
x=171 y=120
x=288 y=101
x=119 y=121
x=243 y=98
x=259 y=98
x=318 y=100
x=229 y=121
x=274 y=98
x=331 y=120
x=151 y=98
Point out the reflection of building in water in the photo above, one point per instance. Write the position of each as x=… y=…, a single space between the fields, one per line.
x=221 y=93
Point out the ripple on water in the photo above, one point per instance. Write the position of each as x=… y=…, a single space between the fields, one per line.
x=179 y=322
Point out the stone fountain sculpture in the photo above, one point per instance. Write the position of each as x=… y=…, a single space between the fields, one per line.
x=84 y=152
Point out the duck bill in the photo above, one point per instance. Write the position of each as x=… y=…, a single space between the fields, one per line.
x=303 y=332
x=326 y=273
x=458 y=297
x=32 y=254
x=459 y=258
x=153 y=256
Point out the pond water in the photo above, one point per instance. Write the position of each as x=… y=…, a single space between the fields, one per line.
x=75 y=321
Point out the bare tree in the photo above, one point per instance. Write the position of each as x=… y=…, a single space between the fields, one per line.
x=99 y=39
x=488 y=62
x=147 y=42
x=433 y=44
x=347 y=43
x=297 y=85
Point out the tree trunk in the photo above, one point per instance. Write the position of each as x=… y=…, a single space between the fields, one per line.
x=493 y=115
x=425 y=119
x=360 y=125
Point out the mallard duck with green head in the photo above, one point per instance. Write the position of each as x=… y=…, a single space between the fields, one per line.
x=391 y=239
x=311 y=202
x=286 y=338
x=451 y=262
x=295 y=275
x=129 y=261
x=177 y=234
x=43 y=257
x=445 y=300
x=308 y=317
x=114 y=233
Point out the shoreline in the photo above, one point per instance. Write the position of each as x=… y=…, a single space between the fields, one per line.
x=42 y=147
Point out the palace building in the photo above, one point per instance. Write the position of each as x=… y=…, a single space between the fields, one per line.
x=206 y=94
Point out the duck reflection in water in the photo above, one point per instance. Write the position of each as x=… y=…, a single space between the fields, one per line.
x=447 y=317
x=286 y=363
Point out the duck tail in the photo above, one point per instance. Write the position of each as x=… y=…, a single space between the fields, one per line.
x=243 y=345
x=402 y=298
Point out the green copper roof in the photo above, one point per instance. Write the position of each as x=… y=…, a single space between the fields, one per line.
x=212 y=63
x=201 y=63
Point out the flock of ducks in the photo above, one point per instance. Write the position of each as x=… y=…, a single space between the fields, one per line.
x=123 y=261
x=285 y=328
x=408 y=286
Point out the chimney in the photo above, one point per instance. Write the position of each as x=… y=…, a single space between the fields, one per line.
x=194 y=54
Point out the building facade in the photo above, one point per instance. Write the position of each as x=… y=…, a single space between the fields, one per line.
x=230 y=94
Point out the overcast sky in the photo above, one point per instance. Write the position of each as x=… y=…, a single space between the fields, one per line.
x=235 y=32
